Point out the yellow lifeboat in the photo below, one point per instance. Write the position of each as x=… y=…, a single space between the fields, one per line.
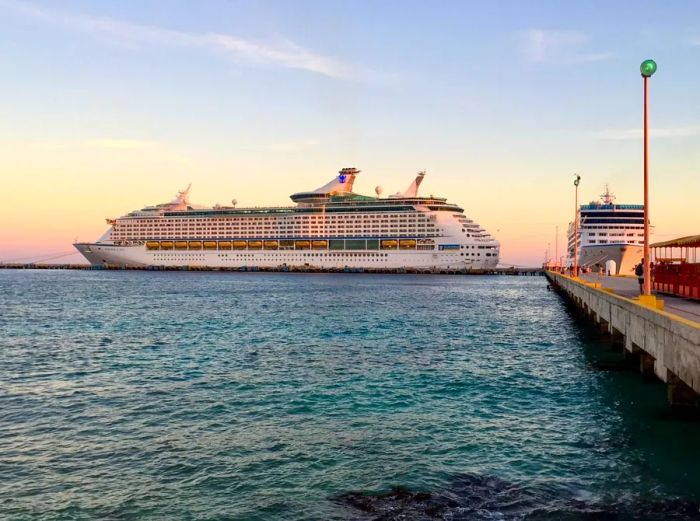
x=166 y=245
x=407 y=244
x=302 y=245
x=152 y=245
x=254 y=245
x=180 y=245
x=239 y=245
x=195 y=245
x=224 y=245
x=270 y=245
x=389 y=244
x=209 y=245
x=319 y=245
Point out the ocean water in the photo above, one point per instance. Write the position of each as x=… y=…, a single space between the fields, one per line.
x=211 y=396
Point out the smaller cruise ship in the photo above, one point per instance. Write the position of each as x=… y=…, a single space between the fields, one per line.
x=610 y=235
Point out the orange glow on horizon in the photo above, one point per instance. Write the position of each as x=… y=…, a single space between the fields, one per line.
x=62 y=193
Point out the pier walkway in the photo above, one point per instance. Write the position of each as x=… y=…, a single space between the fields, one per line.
x=628 y=287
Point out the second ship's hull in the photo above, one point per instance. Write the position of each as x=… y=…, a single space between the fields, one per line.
x=139 y=257
x=625 y=257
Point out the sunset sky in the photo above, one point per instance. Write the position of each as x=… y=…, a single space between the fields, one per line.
x=109 y=106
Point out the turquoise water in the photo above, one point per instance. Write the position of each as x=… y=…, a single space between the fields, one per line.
x=183 y=395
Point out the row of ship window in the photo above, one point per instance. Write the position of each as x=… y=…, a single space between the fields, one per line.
x=252 y=255
x=282 y=225
x=281 y=229
x=615 y=234
x=384 y=218
x=297 y=227
x=613 y=242
x=291 y=244
x=278 y=224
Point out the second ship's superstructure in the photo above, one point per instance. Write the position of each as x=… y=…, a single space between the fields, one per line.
x=330 y=227
x=610 y=235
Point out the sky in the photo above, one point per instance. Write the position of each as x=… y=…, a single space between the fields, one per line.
x=106 y=107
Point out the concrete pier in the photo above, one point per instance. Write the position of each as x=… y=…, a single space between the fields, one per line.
x=667 y=345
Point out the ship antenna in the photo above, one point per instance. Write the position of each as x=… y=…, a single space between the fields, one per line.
x=608 y=196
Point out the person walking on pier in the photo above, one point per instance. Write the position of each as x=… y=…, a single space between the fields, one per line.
x=639 y=272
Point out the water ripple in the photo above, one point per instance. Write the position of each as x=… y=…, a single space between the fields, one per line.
x=133 y=395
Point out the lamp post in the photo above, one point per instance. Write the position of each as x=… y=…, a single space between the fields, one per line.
x=556 y=244
x=647 y=68
x=577 y=180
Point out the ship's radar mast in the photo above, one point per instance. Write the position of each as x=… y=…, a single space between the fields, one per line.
x=608 y=197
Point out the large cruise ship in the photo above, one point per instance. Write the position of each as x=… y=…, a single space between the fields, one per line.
x=610 y=235
x=331 y=227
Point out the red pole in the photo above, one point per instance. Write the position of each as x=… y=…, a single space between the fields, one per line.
x=647 y=260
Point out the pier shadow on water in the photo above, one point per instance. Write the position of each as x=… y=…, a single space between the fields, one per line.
x=663 y=446
x=479 y=498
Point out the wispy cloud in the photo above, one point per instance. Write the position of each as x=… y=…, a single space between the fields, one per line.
x=287 y=54
x=557 y=47
x=82 y=144
x=636 y=133
x=120 y=143
x=291 y=146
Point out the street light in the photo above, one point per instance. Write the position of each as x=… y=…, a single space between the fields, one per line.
x=556 y=245
x=577 y=180
x=647 y=68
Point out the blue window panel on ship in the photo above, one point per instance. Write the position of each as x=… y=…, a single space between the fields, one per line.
x=611 y=207
x=608 y=221
x=611 y=215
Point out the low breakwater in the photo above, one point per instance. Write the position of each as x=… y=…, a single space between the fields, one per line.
x=283 y=268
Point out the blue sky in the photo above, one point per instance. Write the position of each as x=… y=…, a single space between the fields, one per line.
x=500 y=101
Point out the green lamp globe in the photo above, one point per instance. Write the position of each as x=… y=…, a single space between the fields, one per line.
x=647 y=68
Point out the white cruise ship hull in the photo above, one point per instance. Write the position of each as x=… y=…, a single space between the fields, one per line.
x=625 y=257
x=99 y=254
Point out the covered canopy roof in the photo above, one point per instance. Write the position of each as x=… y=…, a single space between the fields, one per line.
x=692 y=241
